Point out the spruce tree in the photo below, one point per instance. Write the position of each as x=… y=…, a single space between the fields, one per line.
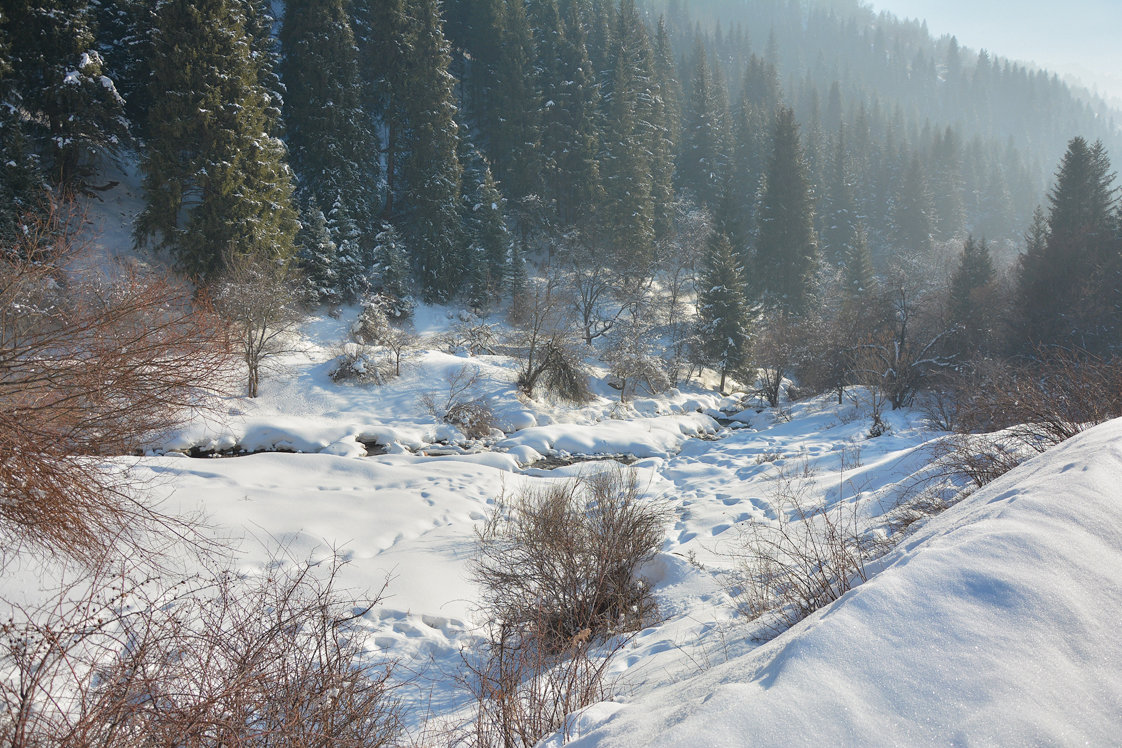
x=515 y=132
x=701 y=160
x=786 y=250
x=723 y=310
x=839 y=206
x=912 y=224
x=353 y=258
x=216 y=181
x=1067 y=291
x=667 y=121
x=21 y=184
x=318 y=256
x=858 y=281
x=570 y=133
x=384 y=34
x=331 y=138
x=73 y=108
x=626 y=161
x=391 y=262
x=430 y=174
x=971 y=283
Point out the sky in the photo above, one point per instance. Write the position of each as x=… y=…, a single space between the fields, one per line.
x=1074 y=37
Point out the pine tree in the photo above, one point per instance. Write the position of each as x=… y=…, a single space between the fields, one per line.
x=331 y=138
x=1067 y=293
x=912 y=225
x=60 y=86
x=318 y=256
x=786 y=251
x=701 y=161
x=216 y=181
x=431 y=171
x=971 y=285
x=626 y=163
x=723 y=309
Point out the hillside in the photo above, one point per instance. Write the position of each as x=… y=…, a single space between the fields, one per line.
x=995 y=624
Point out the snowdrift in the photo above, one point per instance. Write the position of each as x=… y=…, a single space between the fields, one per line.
x=997 y=623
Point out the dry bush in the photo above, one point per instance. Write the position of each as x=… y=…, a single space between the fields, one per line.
x=807 y=558
x=521 y=692
x=91 y=365
x=632 y=362
x=982 y=458
x=558 y=559
x=460 y=405
x=557 y=566
x=1043 y=401
x=218 y=661
x=474 y=336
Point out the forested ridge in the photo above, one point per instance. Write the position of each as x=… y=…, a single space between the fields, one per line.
x=415 y=146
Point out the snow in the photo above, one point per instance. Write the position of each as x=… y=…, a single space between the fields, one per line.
x=995 y=624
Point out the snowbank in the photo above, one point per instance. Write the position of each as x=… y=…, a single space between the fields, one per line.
x=995 y=624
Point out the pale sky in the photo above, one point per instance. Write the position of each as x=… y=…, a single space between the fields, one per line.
x=1082 y=38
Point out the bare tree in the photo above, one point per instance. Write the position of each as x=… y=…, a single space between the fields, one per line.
x=374 y=327
x=545 y=337
x=593 y=286
x=258 y=295
x=680 y=258
x=907 y=347
x=92 y=363
x=632 y=362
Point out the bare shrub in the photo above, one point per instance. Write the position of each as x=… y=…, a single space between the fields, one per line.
x=982 y=458
x=522 y=693
x=474 y=336
x=1044 y=400
x=909 y=346
x=807 y=558
x=778 y=350
x=559 y=559
x=91 y=365
x=278 y=659
x=557 y=566
x=460 y=405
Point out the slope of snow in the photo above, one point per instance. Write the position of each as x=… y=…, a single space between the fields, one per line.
x=997 y=623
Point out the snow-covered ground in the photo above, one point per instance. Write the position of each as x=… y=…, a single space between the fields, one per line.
x=411 y=517
x=994 y=623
